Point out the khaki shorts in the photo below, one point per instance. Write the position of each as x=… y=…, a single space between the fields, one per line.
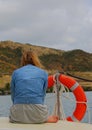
x=28 y=113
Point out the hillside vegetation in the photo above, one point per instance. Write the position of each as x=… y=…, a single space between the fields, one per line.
x=53 y=60
x=77 y=60
x=10 y=53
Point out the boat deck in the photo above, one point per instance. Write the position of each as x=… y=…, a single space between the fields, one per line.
x=60 y=125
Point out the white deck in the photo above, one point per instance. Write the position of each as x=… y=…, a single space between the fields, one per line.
x=60 y=125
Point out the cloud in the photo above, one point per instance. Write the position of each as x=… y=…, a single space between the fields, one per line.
x=61 y=24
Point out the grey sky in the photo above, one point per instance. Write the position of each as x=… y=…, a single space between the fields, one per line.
x=60 y=24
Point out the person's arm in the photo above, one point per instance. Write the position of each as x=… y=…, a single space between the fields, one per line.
x=45 y=83
x=12 y=87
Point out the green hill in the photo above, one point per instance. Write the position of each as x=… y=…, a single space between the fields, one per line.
x=77 y=62
x=52 y=59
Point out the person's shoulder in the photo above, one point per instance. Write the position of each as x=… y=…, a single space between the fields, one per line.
x=17 y=70
x=44 y=72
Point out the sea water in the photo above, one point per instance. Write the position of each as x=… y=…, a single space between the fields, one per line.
x=67 y=102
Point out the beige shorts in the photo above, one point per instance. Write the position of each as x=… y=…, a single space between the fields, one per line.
x=28 y=113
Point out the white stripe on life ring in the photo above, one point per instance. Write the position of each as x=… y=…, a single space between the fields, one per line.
x=74 y=118
x=74 y=86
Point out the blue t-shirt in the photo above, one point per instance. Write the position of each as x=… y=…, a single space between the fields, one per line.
x=28 y=85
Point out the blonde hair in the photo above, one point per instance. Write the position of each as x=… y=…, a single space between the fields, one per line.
x=30 y=57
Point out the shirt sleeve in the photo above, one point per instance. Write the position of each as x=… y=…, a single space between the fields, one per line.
x=46 y=83
x=12 y=87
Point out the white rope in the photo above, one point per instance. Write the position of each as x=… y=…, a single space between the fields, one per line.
x=68 y=97
x=62 y=114
x=66 y=91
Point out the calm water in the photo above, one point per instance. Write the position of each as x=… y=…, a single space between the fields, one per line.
x=68 y=105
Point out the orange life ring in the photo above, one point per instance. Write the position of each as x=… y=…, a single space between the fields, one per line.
x=78 y=92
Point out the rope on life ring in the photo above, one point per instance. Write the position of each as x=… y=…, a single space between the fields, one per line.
x=78 y=92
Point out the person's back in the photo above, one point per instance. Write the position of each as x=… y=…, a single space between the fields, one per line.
x=30 y=83
x=28 y=90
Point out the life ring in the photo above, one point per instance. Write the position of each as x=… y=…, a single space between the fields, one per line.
x=78 y=92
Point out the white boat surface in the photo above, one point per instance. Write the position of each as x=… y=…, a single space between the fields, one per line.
x=60 y=125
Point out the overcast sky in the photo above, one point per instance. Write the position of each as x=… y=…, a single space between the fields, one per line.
x=60 y=24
